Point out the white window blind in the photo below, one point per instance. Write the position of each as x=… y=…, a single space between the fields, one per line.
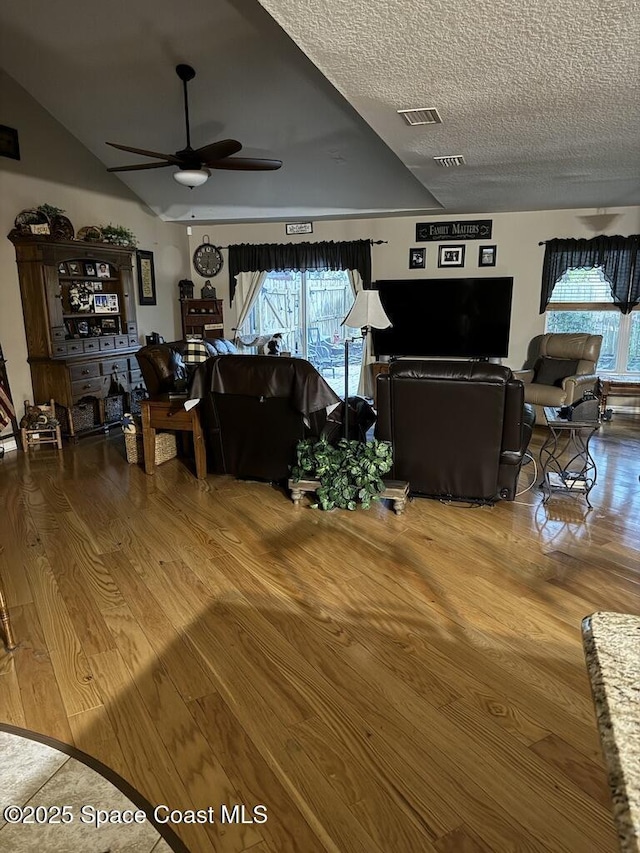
x=580 y=285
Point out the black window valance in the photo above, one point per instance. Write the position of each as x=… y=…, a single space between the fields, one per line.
x=279 y=257
x=619 y=258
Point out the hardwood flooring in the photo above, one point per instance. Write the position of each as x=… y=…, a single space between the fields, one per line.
x=381 y=684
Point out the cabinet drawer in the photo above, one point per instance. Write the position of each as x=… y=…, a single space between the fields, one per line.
x=75 y=347
x=59 y=350
x=107 y=343
x=132 y=329
x=174 y=418
x=84 y=371
x=91 y=346
x=89 y=388
x=133 y=340
x=135 y=376
x=58 y=333
x=113 y=365
x=122 y=342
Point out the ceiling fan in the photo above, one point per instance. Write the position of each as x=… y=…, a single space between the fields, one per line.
x=194 y=164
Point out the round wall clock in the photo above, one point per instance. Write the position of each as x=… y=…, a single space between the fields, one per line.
x=207 y=259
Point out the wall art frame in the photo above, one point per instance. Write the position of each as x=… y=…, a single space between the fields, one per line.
x=487 y=256
x=417 y=259
x=451 y=256
x=147 y=294
x=298 y=228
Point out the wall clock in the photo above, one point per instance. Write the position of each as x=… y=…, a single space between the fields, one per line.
x=207 y=259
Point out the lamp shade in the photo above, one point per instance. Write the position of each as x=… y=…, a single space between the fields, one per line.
x=192 y=177
x=367 y=311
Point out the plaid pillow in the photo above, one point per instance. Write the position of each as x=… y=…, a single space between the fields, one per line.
x=195 y=351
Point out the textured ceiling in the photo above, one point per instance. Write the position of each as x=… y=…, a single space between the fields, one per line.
x=541 y=100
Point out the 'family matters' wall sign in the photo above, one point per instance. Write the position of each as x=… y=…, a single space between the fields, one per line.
x=464 y=229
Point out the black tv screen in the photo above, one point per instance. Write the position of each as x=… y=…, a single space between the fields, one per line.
x=445 y=317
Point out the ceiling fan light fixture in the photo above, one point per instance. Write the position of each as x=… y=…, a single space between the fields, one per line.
x=192 y=177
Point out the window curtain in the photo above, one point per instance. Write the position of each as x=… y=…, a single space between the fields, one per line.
x=619 y=258
x=247 y=287
x=328 y=255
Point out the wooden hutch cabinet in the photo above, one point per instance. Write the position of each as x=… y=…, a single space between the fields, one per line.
x=202 y=318
x=80 y=320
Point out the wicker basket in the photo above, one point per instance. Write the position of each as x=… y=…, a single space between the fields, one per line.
x=113 y=408
x=85 y=415
x=136 y=396
x=165 y=447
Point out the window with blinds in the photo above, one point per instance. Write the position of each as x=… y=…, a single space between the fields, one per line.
x=586 y=286
x=582 y=302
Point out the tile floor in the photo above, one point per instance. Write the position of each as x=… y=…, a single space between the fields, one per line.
x=34 y=774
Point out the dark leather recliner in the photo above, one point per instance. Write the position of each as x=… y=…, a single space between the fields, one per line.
x=459 y=429
x=254 y=409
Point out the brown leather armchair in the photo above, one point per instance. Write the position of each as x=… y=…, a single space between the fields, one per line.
x=163 y=366
x=564 y=368
x=459 y=429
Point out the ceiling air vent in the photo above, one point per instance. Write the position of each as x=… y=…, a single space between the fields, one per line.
x=453 y=160
x=423 y=115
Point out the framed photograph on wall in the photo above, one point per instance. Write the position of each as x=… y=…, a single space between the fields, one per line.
x=146 y=278
x=451 y=256
x=487 y=256
x=417 y=259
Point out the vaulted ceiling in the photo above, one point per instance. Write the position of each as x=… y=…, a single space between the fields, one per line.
x=540 y=99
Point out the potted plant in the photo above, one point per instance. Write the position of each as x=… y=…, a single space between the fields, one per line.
x=347 y=473
x=119 y=236
x=50 y=211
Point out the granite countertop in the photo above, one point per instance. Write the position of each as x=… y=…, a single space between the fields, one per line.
x=612 y=651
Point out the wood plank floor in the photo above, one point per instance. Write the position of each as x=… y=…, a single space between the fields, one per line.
x=381 y=684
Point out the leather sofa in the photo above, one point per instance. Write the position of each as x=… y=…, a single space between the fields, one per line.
x=254 y=409
x=459 y=429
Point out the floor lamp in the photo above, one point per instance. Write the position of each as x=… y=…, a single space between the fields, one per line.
x=367 y=313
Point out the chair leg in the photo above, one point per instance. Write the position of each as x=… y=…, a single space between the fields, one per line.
x=5 y=622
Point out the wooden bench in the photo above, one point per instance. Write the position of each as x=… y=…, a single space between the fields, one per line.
x=395 y=490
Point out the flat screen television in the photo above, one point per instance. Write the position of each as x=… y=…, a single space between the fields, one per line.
x=445 y=317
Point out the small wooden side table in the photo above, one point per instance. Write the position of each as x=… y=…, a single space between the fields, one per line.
x=165 y=413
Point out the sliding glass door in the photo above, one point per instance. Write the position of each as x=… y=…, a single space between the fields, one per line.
x=307 y=308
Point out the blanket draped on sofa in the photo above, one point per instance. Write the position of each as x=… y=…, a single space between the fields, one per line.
x=255 y=409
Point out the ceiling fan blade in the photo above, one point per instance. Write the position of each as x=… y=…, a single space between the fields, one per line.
x=217 y=150
x=139 y=166
x=171 y=158
x=245 y=164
